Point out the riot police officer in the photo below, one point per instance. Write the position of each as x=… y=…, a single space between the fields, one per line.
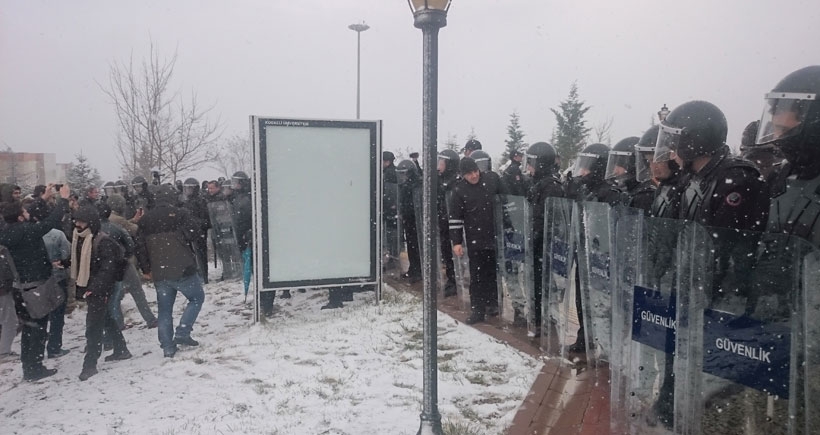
x=390 y=210
x=587 y=180
x=542 y=166
x=620 y=172
x=696 y=133
x=448 y=161
x=485 y=166
x=791 y=123
x=143 y=197
x=513 y=176
x=409 y=183
x=195 y=203
x=766 y=157
x=664 y=170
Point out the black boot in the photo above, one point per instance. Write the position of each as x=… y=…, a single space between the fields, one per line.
x=450 y=289
x=87 y=373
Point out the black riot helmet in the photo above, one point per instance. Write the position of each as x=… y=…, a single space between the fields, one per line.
x=240 y=182
x=140 y=184
x=190 y=187
x=791 y=120
x=108 y=188
x=621 y=163
x=591 y=161
x=449 y=160
x=121 y=188
x=541 y=157
x=227 y=188
x=693 y=129
x=483 y=160
x=406 y=172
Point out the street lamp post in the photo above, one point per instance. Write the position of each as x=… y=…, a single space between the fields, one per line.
x=663 y=113
x=430 y=16
x=358 y=28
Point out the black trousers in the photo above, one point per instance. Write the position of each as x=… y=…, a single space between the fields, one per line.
x=447 y=254
x=483 y=279
x=201 y=251
x=538 y=278
x=33 y=338
x=97 y=320
x=411 y=237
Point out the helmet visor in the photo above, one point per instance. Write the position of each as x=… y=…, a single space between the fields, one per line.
x=617 y=165
x=402 y=175
x=483 y=164
x=667 y=144
x=783 y=116
x=584 y=163
x=643 y=157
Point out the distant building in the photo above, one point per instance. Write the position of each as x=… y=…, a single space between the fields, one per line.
x=30 y=169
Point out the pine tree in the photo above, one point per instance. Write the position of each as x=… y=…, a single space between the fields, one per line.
x=451 y=143
x=472 y=135
x=82 y=175
x=572 y=131
x=516 y=137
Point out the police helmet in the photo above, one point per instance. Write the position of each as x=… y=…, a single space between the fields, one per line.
x=406 y=171
x=450 y=159
x=791 y=117
x=621 y=163
x=541 y=156
x=483 y=160
x=591 y=161
x=693 y=129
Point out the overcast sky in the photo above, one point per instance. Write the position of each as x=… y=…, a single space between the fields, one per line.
x=298 y=59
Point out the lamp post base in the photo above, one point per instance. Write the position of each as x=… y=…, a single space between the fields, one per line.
x=430 y=425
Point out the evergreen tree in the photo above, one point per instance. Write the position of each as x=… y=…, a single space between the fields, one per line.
x=82 y=175
x=572 y=131
x=516 y=138
x=452 y=142
x=472 y=135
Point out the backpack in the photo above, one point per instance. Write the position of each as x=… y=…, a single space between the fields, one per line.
x=8 y=272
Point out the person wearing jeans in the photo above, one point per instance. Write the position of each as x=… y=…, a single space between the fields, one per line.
x=166 y=257
x=191 y=287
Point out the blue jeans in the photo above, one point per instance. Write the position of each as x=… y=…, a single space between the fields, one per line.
x=191 y=288
x=114 y=307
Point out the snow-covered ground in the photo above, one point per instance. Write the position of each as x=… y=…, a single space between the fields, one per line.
x=355 y=370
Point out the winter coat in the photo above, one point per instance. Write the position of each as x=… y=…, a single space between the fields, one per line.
x=243 y=219
x=514 y=180
x=58 y=248
x=25 y=242
x=549 y=186
x=471 y=211
x=119 y=235
x=163 y=242
x=105 y=264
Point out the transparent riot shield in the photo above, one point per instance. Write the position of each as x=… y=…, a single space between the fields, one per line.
x=462 y=269
x=806 y=367
x=558 y=332
x=739 y=333
x=515 y=259
x=224 y=237
x=391 y=247
x=594 y=261
x=644 y=322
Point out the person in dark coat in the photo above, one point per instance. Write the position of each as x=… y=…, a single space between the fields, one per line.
x=472 y=224
x=165 y=256
x=447 y=177
x=193 y=201
x=542 y=165
x=621 y=174
x=409 y=183
x=513 y=177
x=24 y=241
x=390 y=209
x=96 y=261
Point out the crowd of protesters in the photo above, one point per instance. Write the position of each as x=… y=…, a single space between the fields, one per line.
x=91 y=248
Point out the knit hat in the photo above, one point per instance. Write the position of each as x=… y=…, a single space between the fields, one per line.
x=89 y=215
x=166 y=195
x=467 y=165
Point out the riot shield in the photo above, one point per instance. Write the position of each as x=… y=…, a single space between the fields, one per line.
x=594 y=254
x=557 y=278
x=515 y=259
x=806 y=367
x=739 y=333
x=391 y=239
x=644 y=301
x=224 y=237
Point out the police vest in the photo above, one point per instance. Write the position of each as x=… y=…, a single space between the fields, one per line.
x=795 y=208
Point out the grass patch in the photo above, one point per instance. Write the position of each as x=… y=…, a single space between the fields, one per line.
x=442 y=358
x=446 y=367
x=450 y=427
x=477 y=379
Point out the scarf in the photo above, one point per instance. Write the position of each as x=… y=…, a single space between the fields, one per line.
x=81 y=270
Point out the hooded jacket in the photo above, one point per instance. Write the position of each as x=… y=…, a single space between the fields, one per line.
x=25 y=242
x=106 y=255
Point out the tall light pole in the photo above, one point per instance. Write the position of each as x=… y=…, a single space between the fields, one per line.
x=358 y=28
x=430 y=16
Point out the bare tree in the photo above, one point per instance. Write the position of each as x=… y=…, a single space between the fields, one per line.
x=157 y=130
x=602 y=131
x=234 y=154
